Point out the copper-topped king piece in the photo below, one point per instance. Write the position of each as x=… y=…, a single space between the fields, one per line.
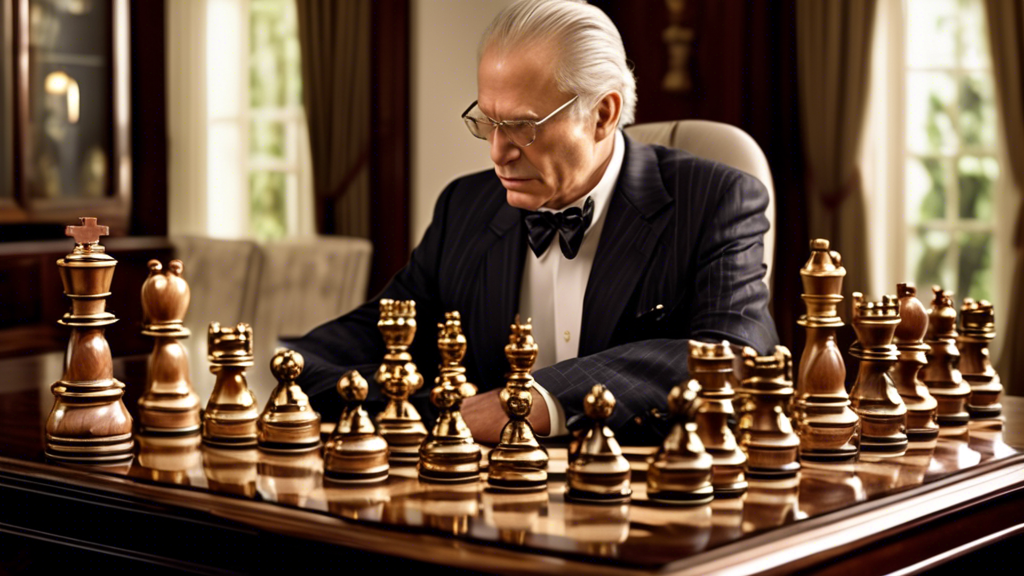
x=89 y=421
x=977 y=330
x=765 y=431
x=598 y=472
x=288 y=423
x=400 y=424
x=922 y=431
x=711 y=366
x=230 y=416
x=942 y=373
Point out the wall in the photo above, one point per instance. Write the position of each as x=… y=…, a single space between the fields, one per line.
x=444 y=40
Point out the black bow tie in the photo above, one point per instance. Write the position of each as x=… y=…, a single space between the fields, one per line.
x=570 y=224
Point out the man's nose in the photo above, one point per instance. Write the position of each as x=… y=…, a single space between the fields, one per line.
x=503 y=150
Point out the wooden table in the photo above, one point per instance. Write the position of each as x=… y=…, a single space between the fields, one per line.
x=180 y=506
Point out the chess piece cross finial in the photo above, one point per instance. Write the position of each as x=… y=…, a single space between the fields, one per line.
x=88 y=232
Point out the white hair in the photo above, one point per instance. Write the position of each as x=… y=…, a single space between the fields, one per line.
x=591 y=58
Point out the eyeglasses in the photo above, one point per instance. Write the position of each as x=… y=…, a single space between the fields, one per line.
x=522 y=133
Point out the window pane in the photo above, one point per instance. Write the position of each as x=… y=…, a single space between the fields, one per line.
x=926 y=190
x=977 y=178
x=929 y=253
x=977 y=111
x=275 y=78
x=268 y=204
x=268 y=138
x=931 y=33
x=975 y=273
x=931 y=96
x=973 y=34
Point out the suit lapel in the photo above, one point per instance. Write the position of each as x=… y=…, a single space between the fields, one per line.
x=635 y=220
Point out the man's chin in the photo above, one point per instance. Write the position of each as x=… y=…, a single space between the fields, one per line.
x=524 y=200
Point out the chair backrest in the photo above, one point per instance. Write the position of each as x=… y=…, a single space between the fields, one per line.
x=722 y=143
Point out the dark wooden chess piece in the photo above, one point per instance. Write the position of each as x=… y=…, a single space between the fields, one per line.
x=400 y=424
x=169 y=405
x=883 y=415
x=598 y=472
x=288 y=423
x=977 y=330
x=89 y=421
x=231 y=413
x=765 y=431
x=355 y=452
x=822 y=417
x=449 y=453
x=922 y=431
x=942 y=373
x=680 y=471
x=711 y=366
x=518 y=462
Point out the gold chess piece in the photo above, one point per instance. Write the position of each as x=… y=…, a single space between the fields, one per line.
x=942 y=373
x=766 y=432
x=598 y=471
x=680 y=471
x=89 y=421
x=822 y=417
x=400 y=424
x=449 y=453
x=711 y=366
x=518 y=462
x=883 y=415
x=169 y=405
x=922 y=431
x=355 y=452
x=231 y=413
x=288 y=423
x=977 y=330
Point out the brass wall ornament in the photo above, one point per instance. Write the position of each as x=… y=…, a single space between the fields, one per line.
x=355 y=452
x=942 y=373
x=89 y=421
x=598 y=472
x=288 y=423
x=883 y=415
x=400 y=424
x=449 y=453
x=922 y=431
x=711 y=366
x=518 y=462
x=822 y=417
x=765 y=431
x=231 y=413
x=680 y=471
x=169 y=405
x=678 y=40
x=977 y=330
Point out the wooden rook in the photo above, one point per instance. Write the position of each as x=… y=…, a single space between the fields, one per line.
x=711 y=366
x=922 y=431
x=598 y=472
x=679 y=473
x=355 y=452
x=766 y=432
x=942 y=373
x=89 y=421
x=169 y=405
x=977 y=330
x=288 y=423
x=230 y=416
x=822 y=417
x=883 y=415
x=400 y=424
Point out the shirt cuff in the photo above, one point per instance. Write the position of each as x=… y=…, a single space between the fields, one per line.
x=555 y=413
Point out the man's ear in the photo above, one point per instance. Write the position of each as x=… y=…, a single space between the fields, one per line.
x=609 y=108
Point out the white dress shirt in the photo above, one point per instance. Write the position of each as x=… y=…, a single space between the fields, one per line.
x=553 y=286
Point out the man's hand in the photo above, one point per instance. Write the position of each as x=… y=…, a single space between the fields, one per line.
x=485 y=418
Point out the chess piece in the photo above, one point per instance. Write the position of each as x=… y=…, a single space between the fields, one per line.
x=977 y=329
x=680 y=471
x=518 y=462
x=230 y=416
x=169 y=405
x=288 y=423
x=826 y=425
x=922 y=431
x=942 y=373
x=883 y=415
x=599 y=472
x=765 y=432
x=355 y=452
x=400 y=424
x=711 y=366
x=449 y=453
x=89 y=421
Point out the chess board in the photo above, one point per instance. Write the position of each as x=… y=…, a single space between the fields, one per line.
x=235 y=510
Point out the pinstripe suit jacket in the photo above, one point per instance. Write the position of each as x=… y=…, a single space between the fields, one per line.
x=681 y=232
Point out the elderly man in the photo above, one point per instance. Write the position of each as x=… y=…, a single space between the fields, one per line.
x=619 y=251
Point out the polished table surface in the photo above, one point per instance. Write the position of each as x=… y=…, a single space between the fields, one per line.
x=910 y=513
